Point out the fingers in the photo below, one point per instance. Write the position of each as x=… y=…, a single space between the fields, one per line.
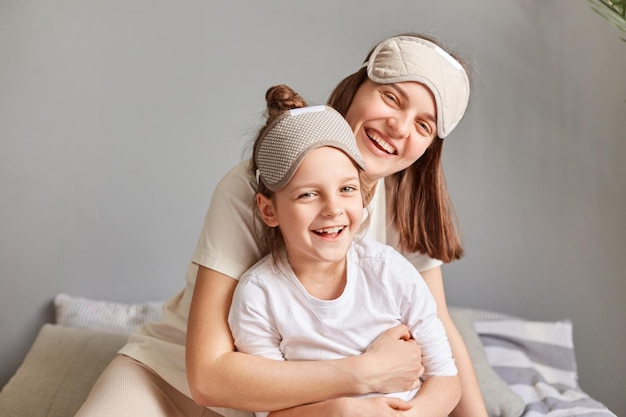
x=398 y=404
x=400 y=331
x=420 y=374
x=418 y=382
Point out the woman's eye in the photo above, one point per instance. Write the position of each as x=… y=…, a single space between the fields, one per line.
x=424 y=127
x=391 y=97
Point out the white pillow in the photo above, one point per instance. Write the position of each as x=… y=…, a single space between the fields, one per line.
x=106 y=316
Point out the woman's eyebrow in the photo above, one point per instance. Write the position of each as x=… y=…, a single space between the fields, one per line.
x=405 y=96
x=401 y=90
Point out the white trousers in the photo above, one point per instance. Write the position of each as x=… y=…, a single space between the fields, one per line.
x=128 y=388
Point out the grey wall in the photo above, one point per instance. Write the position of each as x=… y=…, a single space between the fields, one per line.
x=118 y=117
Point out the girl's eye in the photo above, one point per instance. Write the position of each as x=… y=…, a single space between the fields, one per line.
x=307 y=195
x=349 y=189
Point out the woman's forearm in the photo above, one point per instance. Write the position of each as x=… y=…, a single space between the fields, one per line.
x=437 y=397
x=273 y=385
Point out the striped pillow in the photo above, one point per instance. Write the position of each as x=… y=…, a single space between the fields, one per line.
x=537 y=360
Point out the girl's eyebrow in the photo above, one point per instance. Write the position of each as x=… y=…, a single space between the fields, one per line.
x=313 y=184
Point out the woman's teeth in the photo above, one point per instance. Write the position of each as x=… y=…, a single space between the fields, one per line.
x=382 y=144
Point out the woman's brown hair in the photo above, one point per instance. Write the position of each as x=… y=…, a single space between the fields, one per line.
x=422 y=212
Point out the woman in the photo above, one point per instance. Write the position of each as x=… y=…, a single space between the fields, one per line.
x=190 y=353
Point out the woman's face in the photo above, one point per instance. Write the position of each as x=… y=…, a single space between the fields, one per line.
x=394 y=124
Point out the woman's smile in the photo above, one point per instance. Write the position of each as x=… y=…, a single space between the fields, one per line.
x=382 y=144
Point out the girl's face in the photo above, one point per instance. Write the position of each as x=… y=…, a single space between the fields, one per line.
x=319 y=211
x=394 y=124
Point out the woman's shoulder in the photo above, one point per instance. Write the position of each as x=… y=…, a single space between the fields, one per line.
x=236 y=184
x=238 y=175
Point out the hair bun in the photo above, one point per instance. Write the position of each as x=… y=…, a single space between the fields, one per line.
x=280 y=98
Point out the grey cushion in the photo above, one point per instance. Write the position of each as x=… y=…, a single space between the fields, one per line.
x=58 y=372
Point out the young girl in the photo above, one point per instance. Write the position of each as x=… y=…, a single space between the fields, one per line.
x=320 y=294
x=399 y=122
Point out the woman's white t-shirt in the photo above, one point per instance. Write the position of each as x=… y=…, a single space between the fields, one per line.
x=227 y=244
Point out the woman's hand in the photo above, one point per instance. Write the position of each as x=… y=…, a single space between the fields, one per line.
x=393 y=362
x=378 y=406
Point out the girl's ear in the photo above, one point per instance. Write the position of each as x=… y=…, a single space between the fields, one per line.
x=266 y=208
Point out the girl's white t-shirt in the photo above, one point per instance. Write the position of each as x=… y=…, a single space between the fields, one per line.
x=227 y=244
x=274 y=316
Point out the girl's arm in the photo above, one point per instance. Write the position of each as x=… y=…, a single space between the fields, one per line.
x=471 y=402
x=218 y=375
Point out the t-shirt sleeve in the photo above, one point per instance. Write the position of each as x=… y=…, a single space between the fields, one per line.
x=421 y=261
x=418 y=310
x=227 y=242
x=251 y=320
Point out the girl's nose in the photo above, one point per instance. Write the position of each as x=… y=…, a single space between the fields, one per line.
x=333 y=209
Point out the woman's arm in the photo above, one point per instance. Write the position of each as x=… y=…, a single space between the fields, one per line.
x=217 y=375
x=437 y=397
x=471 y=402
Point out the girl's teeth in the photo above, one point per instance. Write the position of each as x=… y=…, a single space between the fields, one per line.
x=330 y=230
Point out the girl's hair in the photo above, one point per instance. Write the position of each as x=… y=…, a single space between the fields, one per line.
x=279 y=99
x=422 y=211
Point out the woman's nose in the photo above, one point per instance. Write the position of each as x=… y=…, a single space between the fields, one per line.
x=399 y=126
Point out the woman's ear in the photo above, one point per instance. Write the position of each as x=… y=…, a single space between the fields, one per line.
x=266 y=208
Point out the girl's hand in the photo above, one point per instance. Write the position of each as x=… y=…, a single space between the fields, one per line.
x=393 y=362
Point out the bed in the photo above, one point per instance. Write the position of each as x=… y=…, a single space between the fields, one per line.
x=525 y=368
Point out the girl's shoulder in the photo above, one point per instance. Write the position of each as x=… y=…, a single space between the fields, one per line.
x=366 y=248
x=383 y=264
